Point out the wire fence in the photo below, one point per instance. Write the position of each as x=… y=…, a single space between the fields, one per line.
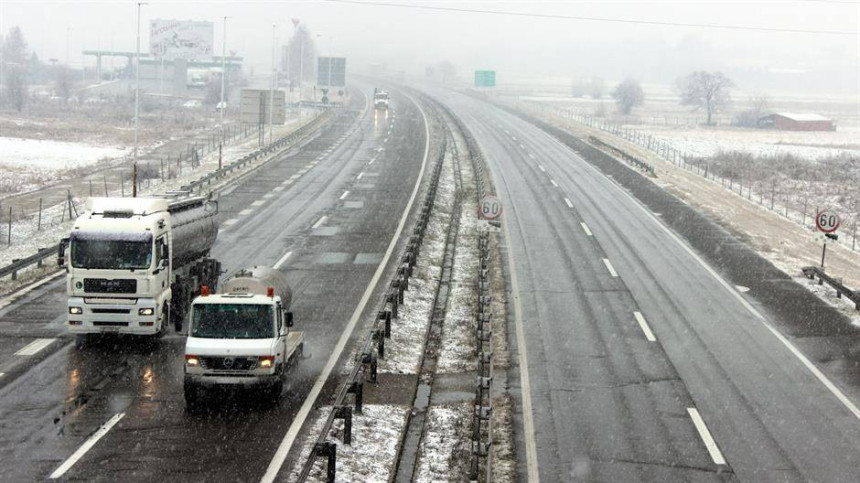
x=793 y=204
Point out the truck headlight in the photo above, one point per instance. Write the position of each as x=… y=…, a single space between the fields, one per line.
x=147 y=311
x=267 y=361
x=76 y=310
x=191 y=360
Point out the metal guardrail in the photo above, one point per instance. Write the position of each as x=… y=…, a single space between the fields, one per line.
x=648 y=168
x=296 y=135
x=374 y=342
x=836 y=283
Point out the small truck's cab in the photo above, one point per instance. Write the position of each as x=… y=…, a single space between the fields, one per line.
x=240 y=339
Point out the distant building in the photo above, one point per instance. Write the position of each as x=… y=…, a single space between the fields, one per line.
x=788 y=121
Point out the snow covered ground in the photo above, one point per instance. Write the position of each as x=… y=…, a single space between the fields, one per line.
x=445 y=452
x=52 y=155
x=703 y=143
x=371 y=457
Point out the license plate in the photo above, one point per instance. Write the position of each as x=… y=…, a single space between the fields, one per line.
x=110 y=329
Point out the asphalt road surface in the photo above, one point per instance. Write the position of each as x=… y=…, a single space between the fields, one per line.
x=325 y=215
x=643 y=364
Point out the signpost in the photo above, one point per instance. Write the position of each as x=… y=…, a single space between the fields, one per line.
x=485 y=78
x=827 y=222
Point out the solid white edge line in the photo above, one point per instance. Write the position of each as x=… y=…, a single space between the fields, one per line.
x=88 y=444
x=320 y=222
x=569 y=203
x=586 y=229
x=643 y=324
x=289 y=438
x=787 y=343
x=702 y=428
x=610 y=267
x=344 y=195
x=283 y=259
x=34 y=347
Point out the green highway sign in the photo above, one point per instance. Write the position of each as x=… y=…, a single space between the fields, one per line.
x=485 y=78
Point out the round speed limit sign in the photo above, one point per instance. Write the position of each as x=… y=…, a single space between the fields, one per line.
x=827 y=221
x=490 y=208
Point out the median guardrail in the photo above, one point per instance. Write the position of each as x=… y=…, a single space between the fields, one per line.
x=836 y=283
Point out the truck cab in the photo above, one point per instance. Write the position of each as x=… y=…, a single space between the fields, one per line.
x=241 y=338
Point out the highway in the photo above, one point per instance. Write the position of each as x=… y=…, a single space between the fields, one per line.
x=639 y=362
x=324 y=216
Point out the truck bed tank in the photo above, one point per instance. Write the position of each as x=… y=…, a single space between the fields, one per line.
x=194 y=229
x=257 y=280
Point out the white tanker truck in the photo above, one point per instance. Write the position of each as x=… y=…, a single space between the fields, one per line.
x=134 y=264
x=241 y=338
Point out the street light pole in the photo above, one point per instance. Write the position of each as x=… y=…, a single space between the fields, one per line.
x=222 y=105
x=272 y=90
x=136 y=102
x=301 y=72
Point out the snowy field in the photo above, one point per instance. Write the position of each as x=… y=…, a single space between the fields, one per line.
x=52 y=155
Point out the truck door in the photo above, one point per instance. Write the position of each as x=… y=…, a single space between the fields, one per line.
x=162 y=263
x=282 y=332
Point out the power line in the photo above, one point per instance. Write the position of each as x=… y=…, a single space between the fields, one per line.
x=594 y=19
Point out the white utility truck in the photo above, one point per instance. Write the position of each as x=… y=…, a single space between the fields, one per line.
x=241 y=337
x=134 y=264
x=380 y=100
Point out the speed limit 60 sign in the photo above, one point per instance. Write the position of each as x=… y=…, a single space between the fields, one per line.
x=827 y=221
x=490 y=208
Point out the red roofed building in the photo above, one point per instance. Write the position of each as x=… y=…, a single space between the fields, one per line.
x=789 y=121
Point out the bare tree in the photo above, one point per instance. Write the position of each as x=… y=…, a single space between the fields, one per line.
x=627 y=95
x=64 y=82
x=596 y=87
x=707 y=90
x=15 y=68
x=750 y=118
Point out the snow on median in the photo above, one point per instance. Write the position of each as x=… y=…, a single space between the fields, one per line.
x=376 y=433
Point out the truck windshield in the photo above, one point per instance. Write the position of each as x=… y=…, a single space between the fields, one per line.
x=232 y=321
x=111 y=253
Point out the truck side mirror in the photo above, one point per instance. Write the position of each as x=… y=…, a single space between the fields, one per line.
x=162 y=264
x=289 y=319
x=61 y=252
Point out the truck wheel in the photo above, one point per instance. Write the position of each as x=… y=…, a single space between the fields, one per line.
x=82 y=341
x=192 y=398
x=276 y=390
x=165 y=321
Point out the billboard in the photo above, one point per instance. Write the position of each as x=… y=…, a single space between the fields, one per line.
x=485 y=78
x=255 y=106
x=180 y=39
x=331 y=71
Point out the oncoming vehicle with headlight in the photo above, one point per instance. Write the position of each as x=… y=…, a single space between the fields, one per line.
x=241 y=338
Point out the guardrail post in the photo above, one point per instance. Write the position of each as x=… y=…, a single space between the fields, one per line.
x=357 y=388
x=345 y=413
x=329 y=450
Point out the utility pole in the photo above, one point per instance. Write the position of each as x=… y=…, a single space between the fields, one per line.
x=272 y=90
x=222 y=105
x=136 y=102
x=301 y=71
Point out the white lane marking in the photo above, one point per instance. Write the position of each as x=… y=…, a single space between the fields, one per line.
x=304 y=411
x=88 y=444
x=258 y=202
x=2 y=374
x=610 y=267
x=320 y=222
x=344 y=195
x=287 y=182
x=742 y=289
x=295 y=176
x=586 y=229
x=532 y=156
x=34 y=347
x=513 y=137
x=246 y=212
x=360 y=175
x=283 y=259
x=521 y=146
x=386 y=140
x=542 y=168
x=713 y=449
x=643 y=324
x=268 y=195
x=303 y=171
x=231 y=221
x=371 y=161
x=553 y=183
x=569 y=204
x=29 y=288
x=528 y=417
x=278 y=188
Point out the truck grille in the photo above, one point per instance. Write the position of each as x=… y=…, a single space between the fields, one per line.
x=111 y=311
x=228 y=363
x=110 y=324
x=103 y=285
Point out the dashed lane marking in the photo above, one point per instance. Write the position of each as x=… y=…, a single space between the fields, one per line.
x=542 y=168
x=86 y=446
x=258 y=202
x=268 y=195
x=246 y=212
x=569 y=204
x=283 y=259
x=319 y=222
x=643 y=324
x=344 y=195
x=360 y=175
x=610 y=267
x=713 y=449
x=531 y=155
x=586 y=229
x=231 y=221
x=34 y=347
x=278 y=188
x=553 y=183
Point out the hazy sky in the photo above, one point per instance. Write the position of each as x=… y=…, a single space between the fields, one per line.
x=518 y=47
